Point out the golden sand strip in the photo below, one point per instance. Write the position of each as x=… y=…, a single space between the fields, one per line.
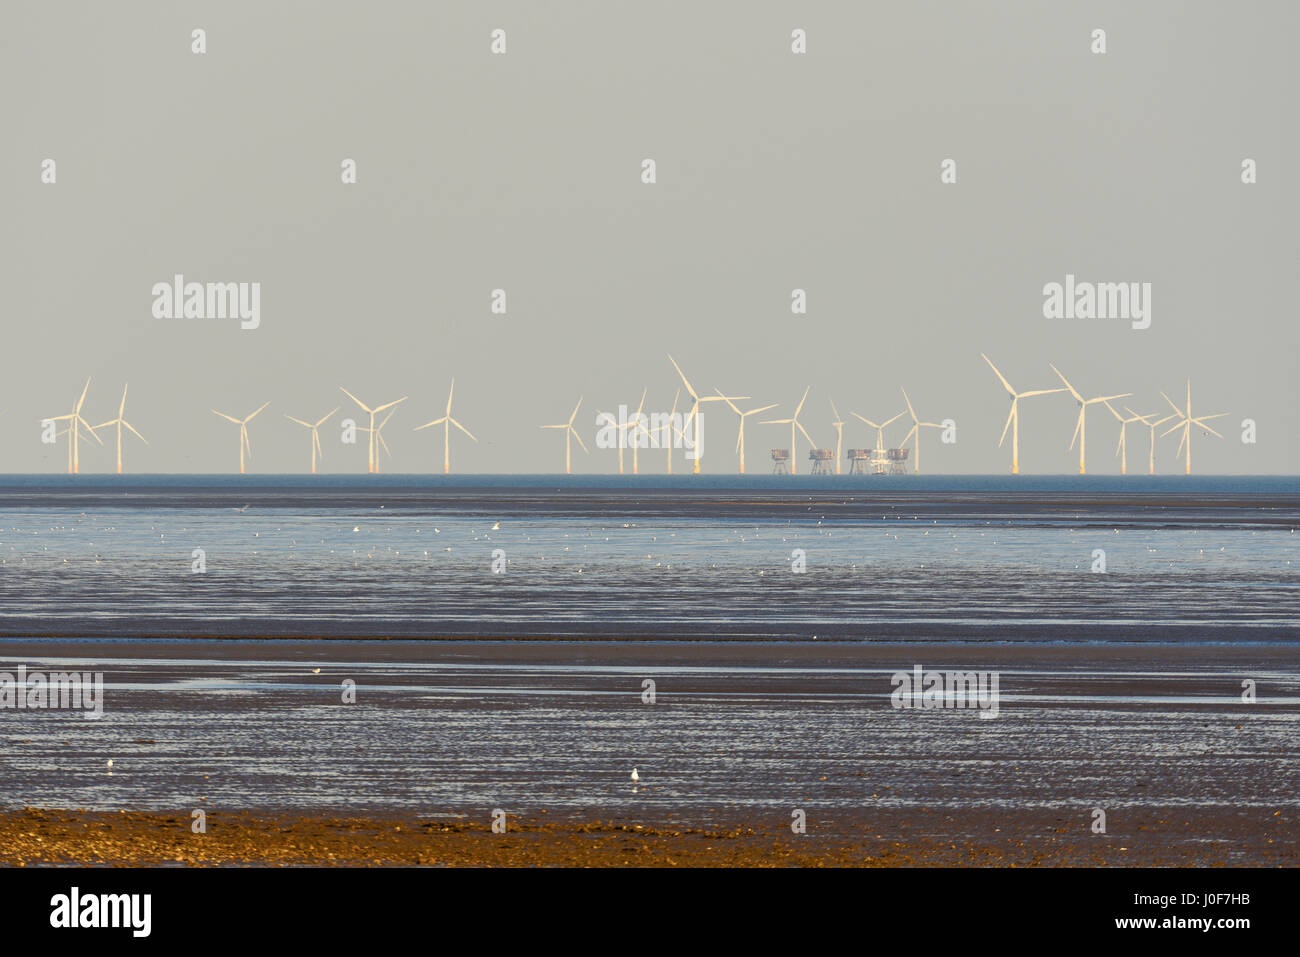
x=69 y=837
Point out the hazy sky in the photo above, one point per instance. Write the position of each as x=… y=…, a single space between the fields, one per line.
x=523 y=172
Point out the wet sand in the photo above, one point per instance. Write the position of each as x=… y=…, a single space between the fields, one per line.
x=741 y=736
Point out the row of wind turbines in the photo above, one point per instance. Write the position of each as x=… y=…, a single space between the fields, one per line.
x=78 y=427
x=1184 y=424
x=670 y=432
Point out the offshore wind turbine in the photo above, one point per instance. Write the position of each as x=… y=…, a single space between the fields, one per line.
x=794 y=423
x=623 y=428
x=917 y=425
x=447 y=422
x=1188 y=420
x=839 y=436
x=695 y=409
x=373 y=457
x=1122 y=448
x=569 y=431
x=243 y=432
x=668 y=431
x=638 y=424
x=880 y=428
x=379 y=438
x=75 y=424
x=740 y=438
x=315 y=436
x=1013 y=418
x=121 y=422
x=1081 y=426
x=1145 y=420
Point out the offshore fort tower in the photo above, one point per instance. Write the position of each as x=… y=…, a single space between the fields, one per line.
x=822 y=461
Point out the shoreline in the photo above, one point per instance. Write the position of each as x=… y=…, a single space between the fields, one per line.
x=1027 y=838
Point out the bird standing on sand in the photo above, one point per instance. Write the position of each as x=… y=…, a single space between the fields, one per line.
x=635 y=778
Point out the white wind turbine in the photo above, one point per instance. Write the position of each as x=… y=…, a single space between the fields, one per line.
x=1122 y=448
x=1186 y=423
x=794 y=423
x=917 y=426
x=569 y=431
x=638 y=424
x=121 y=423
x=379 y=438
x=839 y=436
x=879 y=427
x=667 y=431
x=740 y=438
x=1013 y=418
x=695 y=409
x=243 y=432
x=315 y=436
x=373 y=462
x=1146 y=420
x=623 y=428
x=75 y=424
x=447 y=422
x=1081 y=426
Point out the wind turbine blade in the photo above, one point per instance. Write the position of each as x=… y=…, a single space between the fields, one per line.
x=889 y=421
x=866 y=420
x=1173 y=428
x=230 y=418
x=1217 y=415
x=299 y=421
x=727 y=399
x=799 y=407
x=1025 y=395
x=911 y=432
x=1078 y=424
x=1112 y=410
x=389 y=405
x=121 y=409
x=579 y=438
x=1171 y=403
x=83 y=396
x=763 y=409
x=910 y=410
x=1006 y=428
x=1067 y=383
x=380 y=437
x=450 y=393
x=355 y=399
x=1005 y=383
x=444 y=419
x=1207 y=428
x=834 y=411
x=799 y=425
x=324 y=420
x=463 y=429
x=684 y=381
x=259 y=409
x=1103 y=398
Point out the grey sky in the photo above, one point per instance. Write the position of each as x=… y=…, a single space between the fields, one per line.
x=522 y=171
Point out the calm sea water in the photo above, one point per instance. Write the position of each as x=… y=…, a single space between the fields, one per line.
x=865 y=558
